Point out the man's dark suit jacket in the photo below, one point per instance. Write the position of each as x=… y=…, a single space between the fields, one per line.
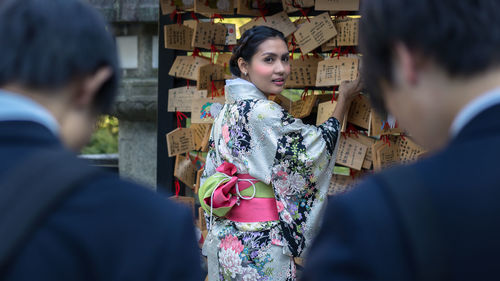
x=362 y=238
x=109 y=229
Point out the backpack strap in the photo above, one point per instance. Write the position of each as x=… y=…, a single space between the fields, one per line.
x=419 y=221
x=31 y=191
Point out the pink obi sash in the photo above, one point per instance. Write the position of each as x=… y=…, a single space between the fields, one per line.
x=240 y=197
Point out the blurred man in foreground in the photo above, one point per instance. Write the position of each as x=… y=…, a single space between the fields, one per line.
x=435 y=66
x=60 y=219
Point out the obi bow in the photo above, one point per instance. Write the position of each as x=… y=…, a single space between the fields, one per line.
x=228 y=194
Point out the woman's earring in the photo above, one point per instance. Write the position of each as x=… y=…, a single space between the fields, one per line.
x=245 y=73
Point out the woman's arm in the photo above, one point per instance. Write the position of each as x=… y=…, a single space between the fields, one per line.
x=348 y=90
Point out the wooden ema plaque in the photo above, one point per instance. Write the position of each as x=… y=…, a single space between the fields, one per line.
x=209 y=7
x=408 y=150
x=210 y=73
x=348 y=33
x=315 y=33
x=201 y=134
x=180 y=99
x=351 y=153
x=333 y=71
x=303 y=72
x=367 y=163
x=178 y=37
x=298 y=109
x=202 y=111
x=207 y=34
x=179 y=141
x=359 y=112
x=336 y=5
x=187 y=67
x=325 y=111
x=379 y=127
x=248 y=7
x=199 y=173
x=185 y=171
x=385 y=155
x=279 y=21
x=291 y=6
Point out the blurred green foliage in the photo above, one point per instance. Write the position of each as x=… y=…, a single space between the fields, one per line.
x=105 y=138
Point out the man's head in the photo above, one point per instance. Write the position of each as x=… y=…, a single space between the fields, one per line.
x=59 y=53
x=424 y=60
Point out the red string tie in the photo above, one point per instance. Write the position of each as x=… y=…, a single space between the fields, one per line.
x=180 y=116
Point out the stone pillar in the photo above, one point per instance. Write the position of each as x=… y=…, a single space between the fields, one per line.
x=136 y=105
x=136 y=108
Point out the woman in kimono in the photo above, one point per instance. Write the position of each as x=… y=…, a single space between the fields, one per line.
x=267 y=174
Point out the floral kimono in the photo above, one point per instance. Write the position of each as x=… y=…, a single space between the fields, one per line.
x=261 y=139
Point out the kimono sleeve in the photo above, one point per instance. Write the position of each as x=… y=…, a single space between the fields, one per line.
x=298 y=161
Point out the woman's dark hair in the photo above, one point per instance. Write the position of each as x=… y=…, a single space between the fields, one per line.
x=249 y=43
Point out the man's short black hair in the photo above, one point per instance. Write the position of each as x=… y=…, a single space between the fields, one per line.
x=461 y=36
x=45 y=44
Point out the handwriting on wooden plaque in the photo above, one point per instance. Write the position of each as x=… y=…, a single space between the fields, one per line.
x=211 y=73
x=351 y=153
x=200 y=132
x=303 y=72
x=222 y=7
x=385 y=155
x=179 y=99
x=279 y=21
x=179 y=141
x=359 y=112
x=178 y=37
x=206 y=109
x=290 y=6
x=336 y=5
x=207 y=34
x=185 y=171
x=333 y=71
x=325 y=111
x=187 y=67
x=313 y=34
x=303 y=107
x=408 y=150
x=348 y=33
x=367 y=163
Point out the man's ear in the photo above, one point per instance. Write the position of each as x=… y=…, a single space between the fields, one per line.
x=90 y=85
x=243 y=66
x=407 y=64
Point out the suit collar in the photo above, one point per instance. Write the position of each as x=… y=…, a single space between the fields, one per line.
x=486 y=123
x=26 y=132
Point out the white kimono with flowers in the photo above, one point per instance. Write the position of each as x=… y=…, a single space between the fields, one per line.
x=297 y=160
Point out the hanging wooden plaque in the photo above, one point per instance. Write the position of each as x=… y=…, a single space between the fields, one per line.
x=315 y=33
x=180 y=99
x=178 y=37
x=187 y=67
x=207 y=34
x=336 y=5
x=179 y=141
x=333 y=71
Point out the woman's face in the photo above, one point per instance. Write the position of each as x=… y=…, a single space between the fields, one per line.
x=269 y=67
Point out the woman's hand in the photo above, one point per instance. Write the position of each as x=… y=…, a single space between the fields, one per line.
x=348 y=90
